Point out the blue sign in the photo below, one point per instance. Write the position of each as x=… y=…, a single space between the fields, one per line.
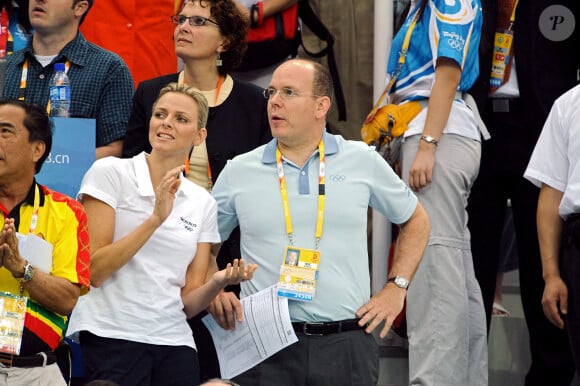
x=73 y=152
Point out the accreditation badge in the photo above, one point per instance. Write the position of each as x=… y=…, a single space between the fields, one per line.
x=298 y=273
x=12 y=313
x=502 y=48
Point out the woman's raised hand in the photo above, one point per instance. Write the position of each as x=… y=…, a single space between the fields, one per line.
x=165 y=193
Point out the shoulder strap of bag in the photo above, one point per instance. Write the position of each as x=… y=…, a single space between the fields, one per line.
x=397 y=72
x=313 y=22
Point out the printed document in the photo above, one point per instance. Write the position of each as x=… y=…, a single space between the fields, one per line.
x=266 y=329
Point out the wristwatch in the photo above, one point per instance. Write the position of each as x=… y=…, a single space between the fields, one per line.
x=399 y=281
x=28 y=274
x=429 y=139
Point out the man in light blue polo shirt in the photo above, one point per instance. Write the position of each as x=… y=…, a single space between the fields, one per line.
x=309 y=190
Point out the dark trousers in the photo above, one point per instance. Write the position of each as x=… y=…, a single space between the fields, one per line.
x=208 y=361
x=570 y=271
x=138 y=364
x=503 y=162
x=344 y=359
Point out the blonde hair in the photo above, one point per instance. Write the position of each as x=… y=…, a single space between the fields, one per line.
x=199 y=99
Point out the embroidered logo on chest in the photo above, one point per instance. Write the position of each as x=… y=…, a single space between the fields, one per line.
x=187 y=225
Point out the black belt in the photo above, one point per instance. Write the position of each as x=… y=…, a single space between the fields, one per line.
x=505 y=105
x=326 y=328
x=38 y=360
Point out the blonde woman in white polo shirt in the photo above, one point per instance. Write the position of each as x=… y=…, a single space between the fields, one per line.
x=151 y=232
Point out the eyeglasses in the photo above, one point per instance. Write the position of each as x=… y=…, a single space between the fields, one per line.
x=285 y=93
x=194 y=21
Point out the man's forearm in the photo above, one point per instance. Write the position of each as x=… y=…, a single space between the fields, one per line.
x=549 y=225
x=411 y=243
x=114 y=149
x=55 y=293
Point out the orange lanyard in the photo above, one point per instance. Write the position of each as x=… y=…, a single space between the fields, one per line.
x=23 y=77
x=321 y=195
x=218 y=88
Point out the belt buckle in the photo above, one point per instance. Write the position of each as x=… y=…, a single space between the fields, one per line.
x=6 y=360
x=305 y=327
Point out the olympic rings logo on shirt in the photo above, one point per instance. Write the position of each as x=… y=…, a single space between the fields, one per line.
x=454 y=40
x=337 y=178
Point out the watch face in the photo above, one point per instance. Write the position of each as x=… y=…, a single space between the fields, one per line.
x=28 y=274
x=401 y=282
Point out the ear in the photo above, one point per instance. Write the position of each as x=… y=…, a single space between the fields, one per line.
x=38 y=149
x=81 y=8
x=200 y=137
x=322 y=106
x=224 y=45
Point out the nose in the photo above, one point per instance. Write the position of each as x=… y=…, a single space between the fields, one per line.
x=167 y=121
x=180 y=27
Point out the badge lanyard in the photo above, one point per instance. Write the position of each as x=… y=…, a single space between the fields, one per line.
x=321 y=195
x=34 y=219
x=218 y=88
x=513 y=16
x=23 y=77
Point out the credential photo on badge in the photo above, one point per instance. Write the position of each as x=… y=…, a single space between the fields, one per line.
x=292 y=257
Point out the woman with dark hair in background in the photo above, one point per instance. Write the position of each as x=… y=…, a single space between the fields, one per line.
x=210 y=39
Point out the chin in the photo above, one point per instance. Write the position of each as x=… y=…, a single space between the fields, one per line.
x=181 y=51
x=278 y=132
